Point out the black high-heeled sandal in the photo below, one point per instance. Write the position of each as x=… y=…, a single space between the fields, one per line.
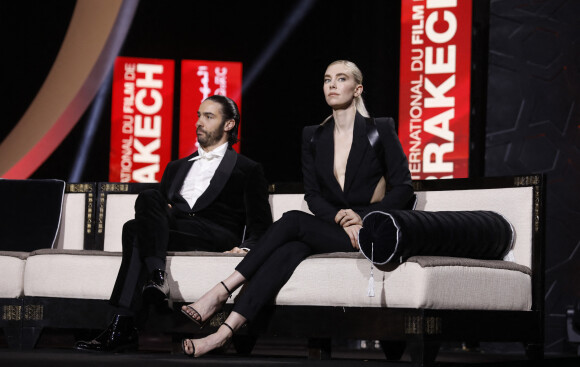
x=192 y=354
x=201 y=322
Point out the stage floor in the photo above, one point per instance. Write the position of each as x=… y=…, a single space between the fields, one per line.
x=64 y=358
x=56 y=351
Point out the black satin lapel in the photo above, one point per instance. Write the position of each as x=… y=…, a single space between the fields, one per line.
x=357 y=150
x=180 y=176
x=218 y=181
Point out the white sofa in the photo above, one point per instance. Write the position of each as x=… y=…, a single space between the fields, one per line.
x=422 y=301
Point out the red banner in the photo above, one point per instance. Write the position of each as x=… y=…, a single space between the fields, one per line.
x=142 y=118
x=434 y=90
x=199 y=80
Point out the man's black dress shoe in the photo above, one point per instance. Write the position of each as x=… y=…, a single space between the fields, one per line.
x=121 y=335
x=156 y=290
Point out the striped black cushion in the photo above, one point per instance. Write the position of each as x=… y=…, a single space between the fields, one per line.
x=399 y=234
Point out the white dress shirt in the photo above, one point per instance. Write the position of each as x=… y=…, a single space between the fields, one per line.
x=201 y=173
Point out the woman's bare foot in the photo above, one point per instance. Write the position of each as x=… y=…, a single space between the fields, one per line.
x=199 y=347
x=208 y=304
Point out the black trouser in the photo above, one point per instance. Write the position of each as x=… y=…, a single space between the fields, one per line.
x=155 y=230
x=280 y=250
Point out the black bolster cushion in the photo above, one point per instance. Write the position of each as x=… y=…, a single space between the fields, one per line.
x=396 y=235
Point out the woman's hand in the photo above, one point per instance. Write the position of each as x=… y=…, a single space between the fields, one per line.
x=236 y=250
x=347 y=217
x=352 y=232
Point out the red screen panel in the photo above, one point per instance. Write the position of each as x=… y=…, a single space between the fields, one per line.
x=434 y=90
x=199 y=80
x=141 y=119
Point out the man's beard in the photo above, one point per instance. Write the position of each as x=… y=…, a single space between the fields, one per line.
x=209 y=138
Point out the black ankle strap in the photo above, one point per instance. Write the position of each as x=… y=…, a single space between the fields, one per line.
x=228 y=326
x=229 y=292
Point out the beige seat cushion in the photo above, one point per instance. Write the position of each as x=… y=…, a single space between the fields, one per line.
x=71 y=274
x=339 y=279
x=464 y=284
x=12 y=265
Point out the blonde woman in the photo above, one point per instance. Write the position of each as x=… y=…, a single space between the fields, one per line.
x=351 y=165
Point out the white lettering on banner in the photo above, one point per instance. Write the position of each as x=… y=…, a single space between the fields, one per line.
x=438 y=65
x=416 y=95
x=221 y=79
x=439 y=125
x=126 y=158
x=438 y=93
x=129 y=76
x=127 y=127
x=129 y=98
x=438 y=164
x=434 y=87
x=147 y=124
x=145 y=152
x=150 y=109
x=417 y=59
x=417 y=29
x=438 y=60
x=437 y=4
x=148 y=81
x=442 y=37
x=145 y=129
x=205 y=89
x=415 y=127
x=146 y=174
x=129 y=72
x=129 y=88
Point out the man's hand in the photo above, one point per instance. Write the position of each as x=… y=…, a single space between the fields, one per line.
x=347 y=217
x=236 y=250
x=352 y=232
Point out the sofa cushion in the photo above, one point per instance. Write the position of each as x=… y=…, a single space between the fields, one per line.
x=12 y=265
x=83 y=274
x=71 y=235
x=437 y=283
x=337 y=279
x=463 y=284
x=120 y=209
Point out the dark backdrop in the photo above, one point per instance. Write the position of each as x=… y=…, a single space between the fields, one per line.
x=533 y=125
x=286 y=95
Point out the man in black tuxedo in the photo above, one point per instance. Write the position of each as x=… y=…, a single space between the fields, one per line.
x=213 y=200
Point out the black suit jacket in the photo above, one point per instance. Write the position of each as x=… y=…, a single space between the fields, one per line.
x=363 y=171
x=237 y=197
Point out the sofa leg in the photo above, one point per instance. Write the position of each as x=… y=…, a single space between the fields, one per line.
x=13 y=336
x=534 y=351
x=393 y=349
x=22 y=337
x=423 y=353
x=29 y=337
x=319 y=348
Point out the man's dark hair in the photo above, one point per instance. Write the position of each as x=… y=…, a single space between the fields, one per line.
x=229 y=111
